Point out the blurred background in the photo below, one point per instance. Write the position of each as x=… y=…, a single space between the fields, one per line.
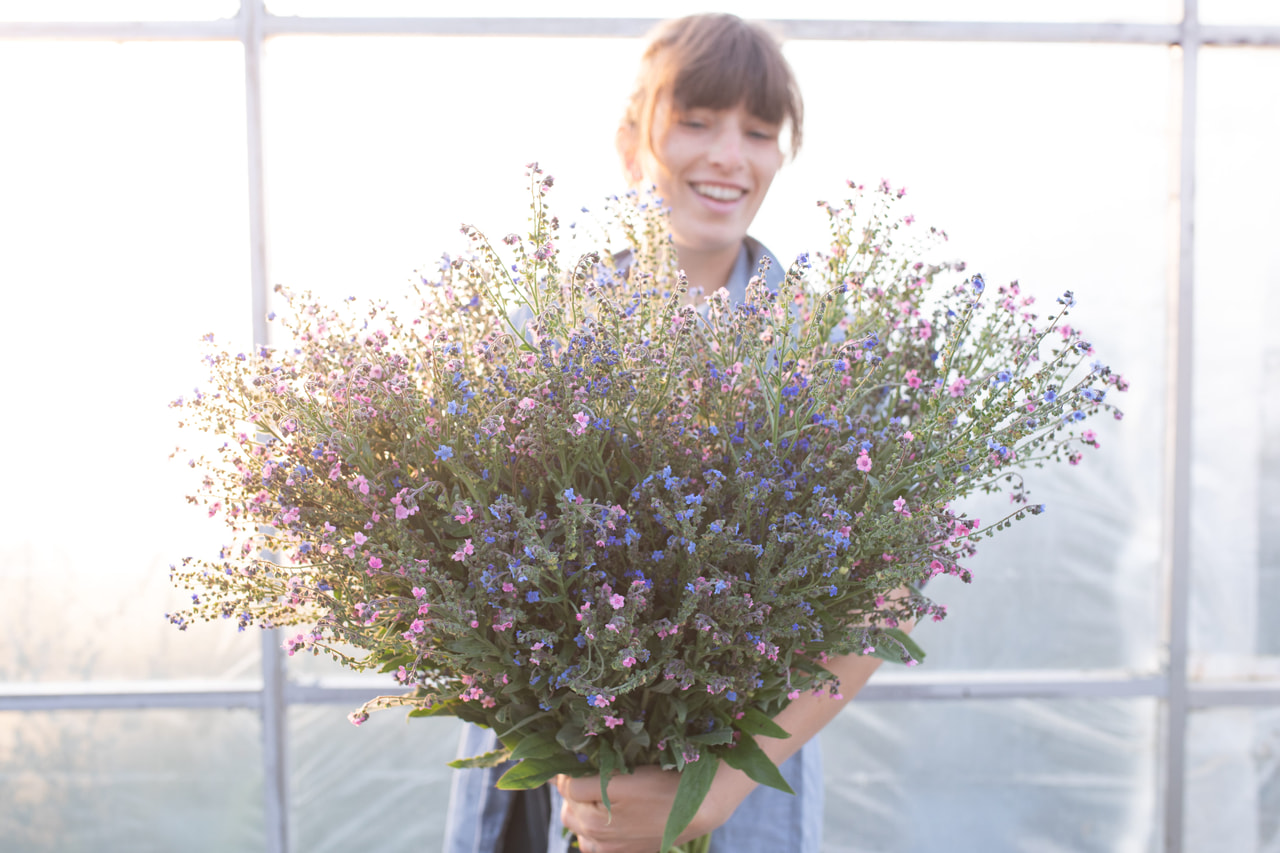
x=1109 y=682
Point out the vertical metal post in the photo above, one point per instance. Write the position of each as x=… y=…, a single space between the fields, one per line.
x=274 y=732
x=1178 y=463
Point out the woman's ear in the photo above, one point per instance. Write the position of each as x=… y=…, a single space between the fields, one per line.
x=628 y=153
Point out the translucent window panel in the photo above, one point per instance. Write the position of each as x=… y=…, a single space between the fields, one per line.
x=117 y=10
x=1233 y=781
x=1044 y=776
x=379 y=148
x=124 y=214
x=1048 y=164
x=1264 y=12
x=146 y=781
x=388 y=773
x=1236 y=428
x=896 y=10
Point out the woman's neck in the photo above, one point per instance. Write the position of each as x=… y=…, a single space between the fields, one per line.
x=708 y=269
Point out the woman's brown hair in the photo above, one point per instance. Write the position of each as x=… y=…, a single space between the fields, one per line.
x=712 y=61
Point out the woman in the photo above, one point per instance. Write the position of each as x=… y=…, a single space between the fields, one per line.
x=705 y=124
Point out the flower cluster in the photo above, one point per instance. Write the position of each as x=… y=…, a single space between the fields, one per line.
x=618 y=527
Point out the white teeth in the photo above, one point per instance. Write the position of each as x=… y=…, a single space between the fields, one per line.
x=718 y=192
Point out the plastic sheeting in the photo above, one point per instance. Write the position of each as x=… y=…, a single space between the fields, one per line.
x=1235 y=600
x=137 y=781
x=1048 y=163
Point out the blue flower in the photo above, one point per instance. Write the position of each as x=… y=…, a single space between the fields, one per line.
x=443 y=452
x=531 y=596
x=978 y=284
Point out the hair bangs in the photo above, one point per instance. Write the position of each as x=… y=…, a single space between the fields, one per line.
x=730 y=70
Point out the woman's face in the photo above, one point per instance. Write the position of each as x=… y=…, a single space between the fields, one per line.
x=713 y=169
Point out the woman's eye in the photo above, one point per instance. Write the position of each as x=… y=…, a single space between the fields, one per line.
x=693 y=123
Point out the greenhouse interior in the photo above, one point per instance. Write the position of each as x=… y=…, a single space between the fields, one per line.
x=1108 y=680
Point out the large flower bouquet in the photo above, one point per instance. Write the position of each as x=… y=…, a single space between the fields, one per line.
x=618 y=527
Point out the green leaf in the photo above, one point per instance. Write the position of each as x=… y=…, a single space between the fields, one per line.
x=396 y=662
x=535 y=746
x=473 y=648
x=487 y=759
x=757 y=722
x=890 y=649
x=440 y=709
x=533 y=772
x=695 y=782
x=748 y=757
x=608 y=762
x=714 y=738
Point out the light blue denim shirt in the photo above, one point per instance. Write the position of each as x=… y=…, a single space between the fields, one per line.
x=767 y=821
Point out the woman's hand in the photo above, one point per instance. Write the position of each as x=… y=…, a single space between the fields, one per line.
x=641 y=802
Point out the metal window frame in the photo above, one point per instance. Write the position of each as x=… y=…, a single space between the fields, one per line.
x=273 y=695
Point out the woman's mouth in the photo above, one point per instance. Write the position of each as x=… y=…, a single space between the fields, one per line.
x=718 y=192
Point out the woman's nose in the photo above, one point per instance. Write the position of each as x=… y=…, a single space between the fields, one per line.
x=726 y=145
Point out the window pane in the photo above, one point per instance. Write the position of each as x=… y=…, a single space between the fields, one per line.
x=124 y=214
x=117 y=10
x=1048 y=164
x=379 y=148
x=159 y=781
x=1264 y=12
x=389 y=773
x=1014 y=775
x=894 y=10
x=1236 y=472
x=1233 y=781
x=1044 y=162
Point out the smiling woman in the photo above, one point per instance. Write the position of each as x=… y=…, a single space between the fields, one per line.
x=703 y=126
x=713 y=98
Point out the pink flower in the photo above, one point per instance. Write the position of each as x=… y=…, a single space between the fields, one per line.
x=628 y=661
x=360 y=538
x=465 y=551
x=375 y=563
x=612 y=722
x=418 y=626
x=864 y=462
x=957 y=387
x=580 y=427
x=466 y=516
x=617 y=602
x=913 y=379
x=527 y=403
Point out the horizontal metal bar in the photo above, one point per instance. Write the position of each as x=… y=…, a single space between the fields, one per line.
x=887 y=686
x=790 y=29
x=890 y=686
x=1234 y=694
x=221 y=30
x=1228 y=36
x=834 y=30
x=128 y=695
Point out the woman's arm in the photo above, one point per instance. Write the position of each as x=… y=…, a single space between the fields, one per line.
x=642 y=800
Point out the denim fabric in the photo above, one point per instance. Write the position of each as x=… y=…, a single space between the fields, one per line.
x=767 y=821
